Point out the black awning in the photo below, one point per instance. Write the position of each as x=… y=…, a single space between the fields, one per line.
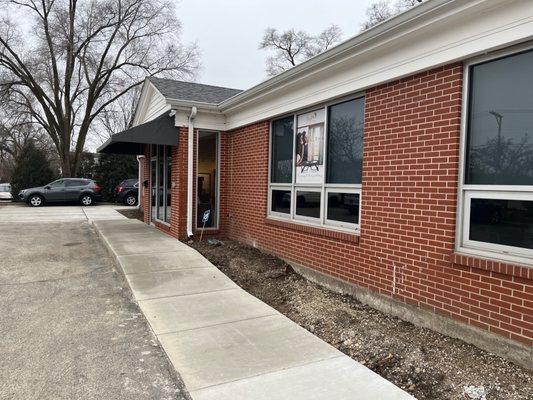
x=160 y=130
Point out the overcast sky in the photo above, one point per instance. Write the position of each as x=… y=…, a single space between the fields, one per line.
x=228 y=32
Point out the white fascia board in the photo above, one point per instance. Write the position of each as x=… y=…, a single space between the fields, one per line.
x=446 y=31
x=141 y=103
x=205 y=119
x=151 y=104
x=183 y=104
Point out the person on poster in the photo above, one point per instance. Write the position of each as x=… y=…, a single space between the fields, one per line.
x=302 y=156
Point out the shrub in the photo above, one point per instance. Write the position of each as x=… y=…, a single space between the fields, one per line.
x=32 y=168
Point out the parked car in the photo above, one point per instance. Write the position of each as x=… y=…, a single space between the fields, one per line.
x=5 y=192
x=84 y=191
x=127 y=192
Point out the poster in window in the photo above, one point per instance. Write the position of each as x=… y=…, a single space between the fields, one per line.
x=310 y=147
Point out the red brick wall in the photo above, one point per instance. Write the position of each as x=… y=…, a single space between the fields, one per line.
x=178 y=212
x=409 y=198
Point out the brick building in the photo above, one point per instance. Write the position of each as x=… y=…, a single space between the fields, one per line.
x=396 y=166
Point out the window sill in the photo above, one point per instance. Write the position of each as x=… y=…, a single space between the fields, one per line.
x=492 y=264
x=314 y=230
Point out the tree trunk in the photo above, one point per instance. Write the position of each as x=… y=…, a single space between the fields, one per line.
x=66 y=171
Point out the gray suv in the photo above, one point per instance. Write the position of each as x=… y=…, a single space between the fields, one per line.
x=84 y=191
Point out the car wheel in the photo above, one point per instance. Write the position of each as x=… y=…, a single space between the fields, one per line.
x=35 y=200
x=130 y=200
x=86 y=200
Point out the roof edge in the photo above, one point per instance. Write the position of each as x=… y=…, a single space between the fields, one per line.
x=359 y=40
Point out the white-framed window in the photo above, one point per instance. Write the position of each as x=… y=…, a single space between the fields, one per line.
x=316 y=159
x=495 y=211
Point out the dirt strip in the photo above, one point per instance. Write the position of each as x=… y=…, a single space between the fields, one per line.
x=425 y=363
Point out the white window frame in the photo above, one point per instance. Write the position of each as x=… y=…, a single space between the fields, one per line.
x=337 y=189
x=284 y=187
x=323 y=187
x=310 y=189
x=466 y=192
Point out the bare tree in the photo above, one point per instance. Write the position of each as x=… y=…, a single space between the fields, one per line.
x=382 y=10
x=78 y=57
x=292 y=47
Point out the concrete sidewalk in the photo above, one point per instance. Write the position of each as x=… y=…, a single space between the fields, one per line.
x=225 y=343
x=22 y=213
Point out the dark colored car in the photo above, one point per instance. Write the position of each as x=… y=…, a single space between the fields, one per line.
x=84 y=191
x=127 y=192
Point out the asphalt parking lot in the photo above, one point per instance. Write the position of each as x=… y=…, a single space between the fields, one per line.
x=68 y=326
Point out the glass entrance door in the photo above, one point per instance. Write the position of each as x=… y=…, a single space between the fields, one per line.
x=153 y=189
x=161 y=183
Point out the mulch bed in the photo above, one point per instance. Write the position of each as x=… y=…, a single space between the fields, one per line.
x=424 y=363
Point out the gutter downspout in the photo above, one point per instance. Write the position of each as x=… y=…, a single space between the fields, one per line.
x=190 y=145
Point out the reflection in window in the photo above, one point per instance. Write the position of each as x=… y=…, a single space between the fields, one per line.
x=281 y=201
x=153 y=188
x=308 y=204
x=343 y=207
x=169 y=183
x=281 y=163
x=500 y=125
x=207 y=178
x=57 y=184
x=345 y=142
x=504 y=222
x=161 y=184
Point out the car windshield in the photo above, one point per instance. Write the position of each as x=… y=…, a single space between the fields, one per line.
x=5 y=188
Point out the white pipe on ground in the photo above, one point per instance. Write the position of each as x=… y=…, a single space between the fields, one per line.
x=190 y=147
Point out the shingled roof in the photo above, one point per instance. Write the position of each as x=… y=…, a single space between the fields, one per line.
x=189 y=91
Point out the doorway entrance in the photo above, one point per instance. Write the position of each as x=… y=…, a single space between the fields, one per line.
x=207 y=178
x=160 y=183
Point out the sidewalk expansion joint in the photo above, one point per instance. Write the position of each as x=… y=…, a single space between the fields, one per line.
x=219 y=324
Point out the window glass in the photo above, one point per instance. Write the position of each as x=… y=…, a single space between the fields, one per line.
x=169 y=183
x=303 y=148
x=282 y=143
x=504 y=222
x=343 y=207
x=153 y=188
x=281 y=201
x=75 y=182
x=345 y=142
x=57 y=184
x=308 y=204
x=500 y=124
x=161 y=184
x=310 y=147
x=207 y=179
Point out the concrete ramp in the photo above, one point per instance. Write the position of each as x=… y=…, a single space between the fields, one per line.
x=225 y=343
